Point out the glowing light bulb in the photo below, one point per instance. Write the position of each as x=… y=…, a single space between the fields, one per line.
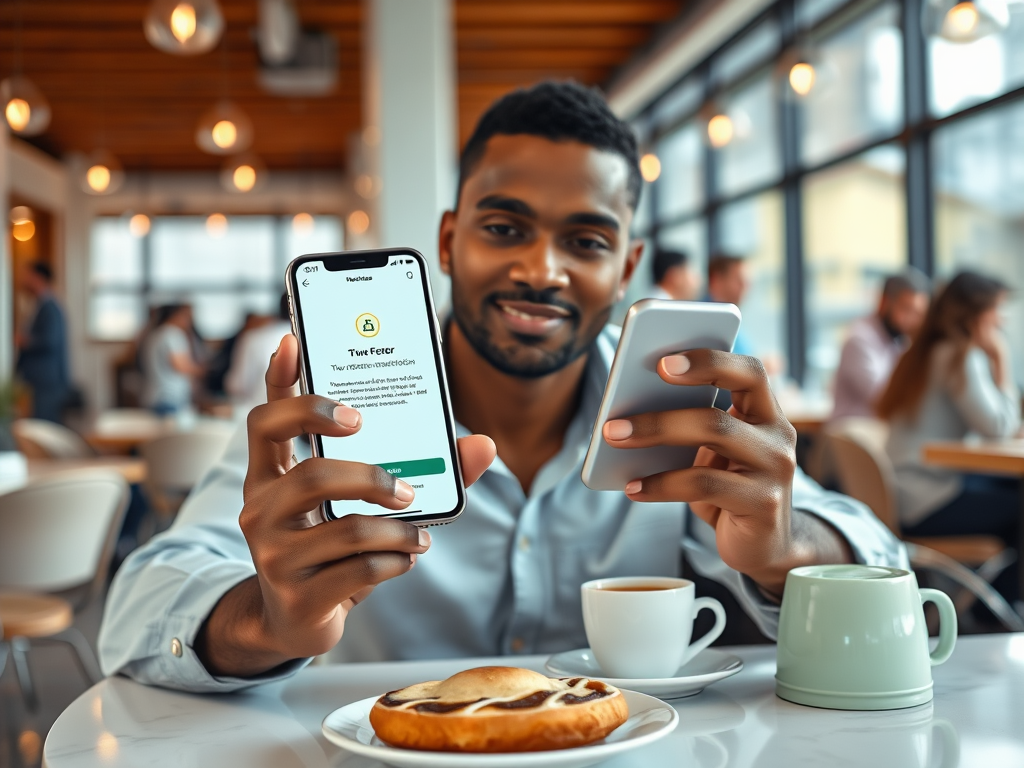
x=244 y=178
x=302 y=224
x=23 y=230
x=802 y=77
x=720 y=131
x=224 y=134
x=98 y=178
x=18 y=114
x=358 y=222
x=20 y=214
x=183 y=22
x=962 y=19
x=650 y=167
x=138 y=225
x=216 y=225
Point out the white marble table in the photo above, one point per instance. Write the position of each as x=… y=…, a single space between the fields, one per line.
x=976 y=719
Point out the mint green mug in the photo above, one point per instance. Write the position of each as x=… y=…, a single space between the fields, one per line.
x=854 y=637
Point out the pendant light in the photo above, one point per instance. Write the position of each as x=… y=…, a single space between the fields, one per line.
x=243 y=173
x=650 y=167
x=184 y=27
x=23 y=225
x=103 y=174
x=224 y=130
x=965 y=22
x=25 y=108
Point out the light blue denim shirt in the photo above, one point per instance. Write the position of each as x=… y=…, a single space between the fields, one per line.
x=503 y=579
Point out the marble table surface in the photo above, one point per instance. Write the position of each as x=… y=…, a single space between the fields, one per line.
x=976 y=719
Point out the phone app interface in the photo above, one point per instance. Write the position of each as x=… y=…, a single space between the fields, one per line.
x=369 y=346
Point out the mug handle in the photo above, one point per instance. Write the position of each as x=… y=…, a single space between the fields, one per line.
x=947 y=624
x=710 y=603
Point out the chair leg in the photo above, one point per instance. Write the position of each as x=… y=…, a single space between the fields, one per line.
x=84 y=655
x=19 y=652
x=925 y=557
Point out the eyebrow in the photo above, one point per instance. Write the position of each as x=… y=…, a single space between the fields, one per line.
x=514 y=205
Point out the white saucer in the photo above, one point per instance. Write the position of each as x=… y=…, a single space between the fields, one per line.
x=707 y=667
x=649 y=720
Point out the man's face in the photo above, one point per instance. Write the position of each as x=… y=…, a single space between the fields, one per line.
x=905 y=312
x=538 y=251
x=681 y=283
x=730 y=286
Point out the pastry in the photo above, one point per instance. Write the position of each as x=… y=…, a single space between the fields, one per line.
x=498 y=709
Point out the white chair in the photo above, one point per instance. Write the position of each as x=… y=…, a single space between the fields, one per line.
x=128 y=420
x=39 y=439
x=176 y=462
x=57 y=536
x=857 y=446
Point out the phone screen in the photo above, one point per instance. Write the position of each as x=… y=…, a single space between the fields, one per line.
x=369 y=340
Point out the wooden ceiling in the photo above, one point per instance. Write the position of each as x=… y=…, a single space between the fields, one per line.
x=108 y=88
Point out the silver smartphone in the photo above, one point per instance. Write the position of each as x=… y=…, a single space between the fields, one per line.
x=654 y=328
x=369 y=338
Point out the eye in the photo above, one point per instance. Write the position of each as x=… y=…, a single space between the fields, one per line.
x=503 y=230
x=588 y=243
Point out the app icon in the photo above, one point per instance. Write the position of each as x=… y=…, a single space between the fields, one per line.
x=367 y=325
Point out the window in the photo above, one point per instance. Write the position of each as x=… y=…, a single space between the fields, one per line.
x=681 y=185
x=751 y=157
x=223 y=275
x=858 y=95
x=854 y=235
x=979 y=205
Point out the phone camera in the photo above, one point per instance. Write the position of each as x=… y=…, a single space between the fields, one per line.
x=409 y=275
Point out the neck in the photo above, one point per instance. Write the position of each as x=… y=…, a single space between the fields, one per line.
x=526 y=418
x=893 y=332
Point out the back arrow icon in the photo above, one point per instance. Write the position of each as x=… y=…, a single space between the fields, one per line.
x=305 y=283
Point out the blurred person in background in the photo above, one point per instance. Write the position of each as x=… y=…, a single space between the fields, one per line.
x=955 y=379
x=728 y=283
x=43 y=351
x=876 y=343
x=673 y=277
x=220 y=362
x=245 y=381
x=168 y=361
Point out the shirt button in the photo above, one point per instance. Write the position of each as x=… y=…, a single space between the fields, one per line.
x=524 y=543
x=518 y=644
x=176 y=646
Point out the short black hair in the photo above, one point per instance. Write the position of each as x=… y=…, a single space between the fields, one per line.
x=666 y=260
x=911 y=280
x=721 y=263
x=43 y=270
x=558 y=111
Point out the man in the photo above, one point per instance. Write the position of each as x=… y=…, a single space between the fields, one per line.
x=876 y=343
x=43 y=355
x=244 y=381
x=728 y=283
x=673 y=277
x=538 y=251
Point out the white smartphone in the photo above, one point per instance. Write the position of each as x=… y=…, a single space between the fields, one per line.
x=654 y=328
x=369 y=338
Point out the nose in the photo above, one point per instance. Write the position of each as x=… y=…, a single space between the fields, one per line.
x=540 y=266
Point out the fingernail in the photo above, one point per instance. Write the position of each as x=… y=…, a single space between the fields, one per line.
x=346 y=416
x=424 y=538
x=412 y=559
x=404 y=491
x=619 y=429
x=676 y=365
x=634 y=486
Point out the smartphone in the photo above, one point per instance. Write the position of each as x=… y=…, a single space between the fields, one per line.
x=369 y=338
x=654 y=328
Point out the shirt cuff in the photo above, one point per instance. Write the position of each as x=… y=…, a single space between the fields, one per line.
x=870 y=541
x=175 y=637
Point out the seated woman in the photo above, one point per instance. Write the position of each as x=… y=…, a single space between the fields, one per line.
x=955 y=379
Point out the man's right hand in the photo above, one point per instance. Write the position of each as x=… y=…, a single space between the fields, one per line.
x=309 y=575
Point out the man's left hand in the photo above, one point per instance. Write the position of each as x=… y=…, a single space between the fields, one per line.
x=741 y=482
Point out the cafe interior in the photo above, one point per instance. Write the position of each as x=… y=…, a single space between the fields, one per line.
x=849 y=173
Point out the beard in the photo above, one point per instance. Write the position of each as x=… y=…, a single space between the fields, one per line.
x=508 y=359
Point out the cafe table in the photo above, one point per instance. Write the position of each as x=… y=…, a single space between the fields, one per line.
x=990 y=457
x=132 y=469
x=976 y=719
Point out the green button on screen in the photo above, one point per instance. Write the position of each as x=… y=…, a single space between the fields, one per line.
x=415 y=468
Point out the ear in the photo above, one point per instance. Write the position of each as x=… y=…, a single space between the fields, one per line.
x=636 y=250
x=445 y=236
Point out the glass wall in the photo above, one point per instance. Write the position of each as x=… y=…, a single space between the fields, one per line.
x=223 y=271
x=804 y=145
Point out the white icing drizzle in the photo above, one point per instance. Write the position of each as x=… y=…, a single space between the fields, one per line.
x=559 y=687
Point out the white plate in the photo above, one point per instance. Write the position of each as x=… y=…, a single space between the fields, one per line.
x=649 y=720
x=707 y=667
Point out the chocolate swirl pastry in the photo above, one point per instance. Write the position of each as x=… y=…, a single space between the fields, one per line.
x=498 y=709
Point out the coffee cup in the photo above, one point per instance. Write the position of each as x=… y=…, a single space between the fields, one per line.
x=854 y=637
x=640 y=627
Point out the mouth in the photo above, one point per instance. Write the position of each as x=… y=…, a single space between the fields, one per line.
x=532 y=319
